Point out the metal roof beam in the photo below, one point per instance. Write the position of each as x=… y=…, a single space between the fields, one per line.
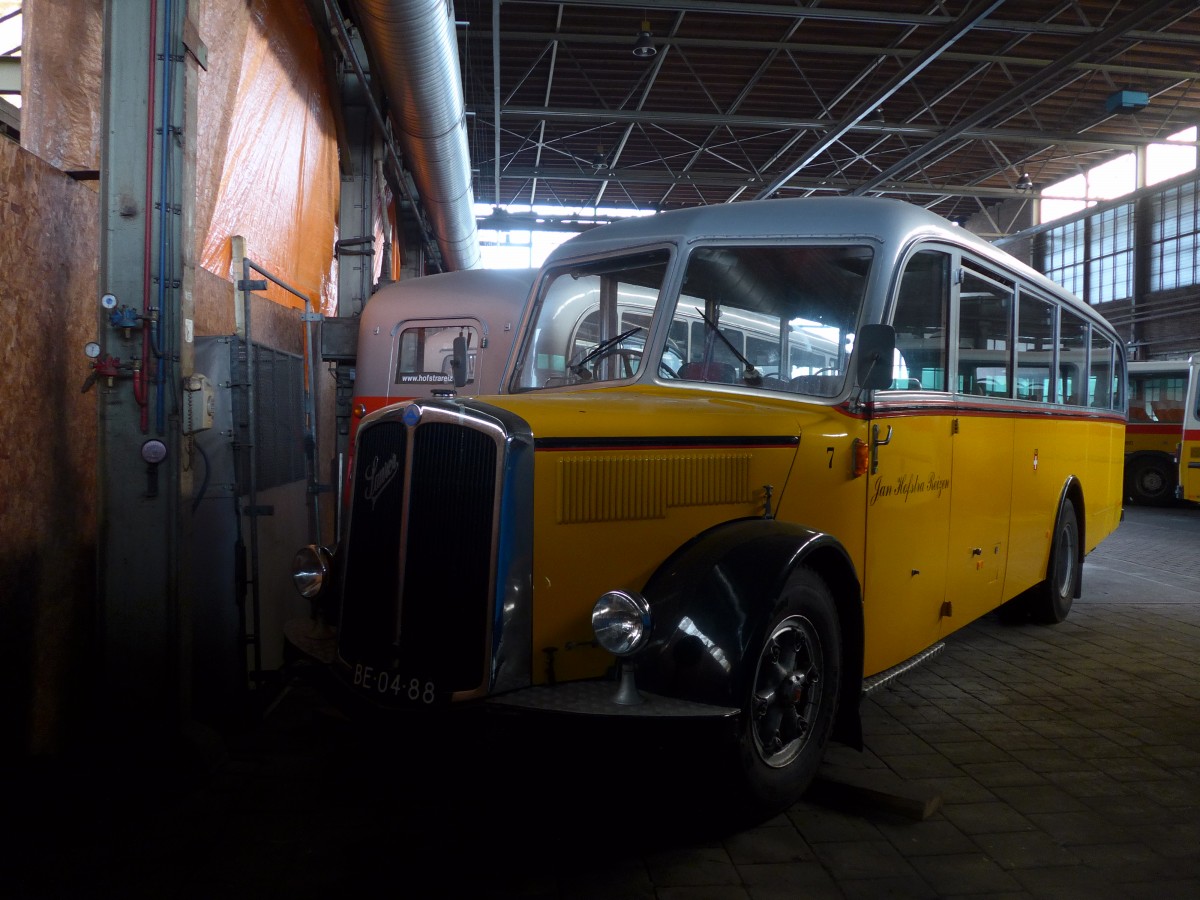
x=731 y=181
x=1030 y=62
x=1112 y=32
x=714 y=120
x=871 y=17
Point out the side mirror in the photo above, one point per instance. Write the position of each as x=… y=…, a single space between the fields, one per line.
x=458 y=362
x=874 y=348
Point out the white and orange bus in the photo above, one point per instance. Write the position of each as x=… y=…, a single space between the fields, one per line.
x=441 y=335
x=750 y=533
x=1156 y=461
x=1189 y=441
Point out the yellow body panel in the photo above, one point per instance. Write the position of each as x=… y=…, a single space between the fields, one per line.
x=1189 y=446
x=907 y=527
x=956 y=519
x=639 y=498
x=1189 y=466
x=961 y=512
x=1161 y=438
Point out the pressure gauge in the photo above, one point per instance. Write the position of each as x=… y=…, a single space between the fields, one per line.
x=92 y=349
x=109 y=301
x=154 y=451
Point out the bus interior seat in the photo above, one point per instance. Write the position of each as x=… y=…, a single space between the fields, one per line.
x=712 y=372
x=1138 y=414
x=817 y=385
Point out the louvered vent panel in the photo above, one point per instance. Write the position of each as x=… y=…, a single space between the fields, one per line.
x=601 y=489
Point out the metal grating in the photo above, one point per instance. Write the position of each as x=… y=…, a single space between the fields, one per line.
x=371 y=563
x=278 y=439
x=447 y=595
x=418 y=565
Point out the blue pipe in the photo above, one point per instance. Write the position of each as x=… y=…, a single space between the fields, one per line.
x=164 y=221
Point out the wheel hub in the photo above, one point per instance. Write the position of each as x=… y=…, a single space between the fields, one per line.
x=787 y=690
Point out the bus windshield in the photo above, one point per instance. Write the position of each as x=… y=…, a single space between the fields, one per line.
x=779 y=317
x=774 y=317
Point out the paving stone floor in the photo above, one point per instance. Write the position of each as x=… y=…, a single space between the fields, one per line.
x=1055 y=762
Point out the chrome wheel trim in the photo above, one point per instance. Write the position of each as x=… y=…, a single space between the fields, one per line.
x=788 y=684
x=1064 y=559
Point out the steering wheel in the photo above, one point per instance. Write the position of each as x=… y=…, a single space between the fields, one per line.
x=630 y=361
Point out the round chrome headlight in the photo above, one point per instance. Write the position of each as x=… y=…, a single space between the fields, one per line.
x=310 y=570
x=621 y=621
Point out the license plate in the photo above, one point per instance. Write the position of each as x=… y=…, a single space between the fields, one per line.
x=393 y=686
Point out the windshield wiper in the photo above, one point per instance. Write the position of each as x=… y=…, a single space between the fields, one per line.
x=605 y=345
x=750 y=375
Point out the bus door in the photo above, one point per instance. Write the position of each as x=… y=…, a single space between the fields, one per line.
x=908 y=489
x=982 y=432
x=1189 y=448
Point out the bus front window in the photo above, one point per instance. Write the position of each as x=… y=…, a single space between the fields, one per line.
x=776 y=317
x=582 y=330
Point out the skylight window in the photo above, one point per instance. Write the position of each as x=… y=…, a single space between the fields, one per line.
x=1118 y=177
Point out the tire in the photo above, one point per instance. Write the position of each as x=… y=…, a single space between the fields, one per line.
x=1151 y=482
x=1051 y=601
x=791 y=699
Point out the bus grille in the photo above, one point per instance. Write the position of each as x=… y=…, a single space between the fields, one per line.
x=430 y=574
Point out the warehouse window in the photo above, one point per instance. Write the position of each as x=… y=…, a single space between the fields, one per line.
x=1175 y=230
x=10 y=69
x=1063 y=255
x=1110 y=255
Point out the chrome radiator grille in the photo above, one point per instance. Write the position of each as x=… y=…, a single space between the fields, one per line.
x=417 y=592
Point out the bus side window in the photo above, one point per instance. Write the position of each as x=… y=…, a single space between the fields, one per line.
x=922 y=322
x=984 y=311
x=1100 y=381
x=1035 y=349
x=1072 y=356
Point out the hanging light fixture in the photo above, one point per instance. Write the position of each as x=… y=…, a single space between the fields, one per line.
x=644 y=47
x=1024 y=183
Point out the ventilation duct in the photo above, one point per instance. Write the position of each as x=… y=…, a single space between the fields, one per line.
x=414 y=50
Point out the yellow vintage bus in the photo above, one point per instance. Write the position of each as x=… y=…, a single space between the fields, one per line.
x=1155 y=468
x=1189 y=445
x=662 y=518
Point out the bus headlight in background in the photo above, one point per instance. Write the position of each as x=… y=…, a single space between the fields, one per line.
x=310 y=570
x=622 y=622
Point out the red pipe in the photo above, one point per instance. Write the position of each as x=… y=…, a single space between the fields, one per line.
x=141 y=377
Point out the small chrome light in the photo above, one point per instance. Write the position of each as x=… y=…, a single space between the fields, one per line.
x=622 y=622
x=310 y=570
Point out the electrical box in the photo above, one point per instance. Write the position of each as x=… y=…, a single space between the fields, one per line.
x=339 y=339
x=199 y=404
x=1126 y=101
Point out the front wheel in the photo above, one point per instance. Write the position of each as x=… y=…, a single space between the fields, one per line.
x=792 y=699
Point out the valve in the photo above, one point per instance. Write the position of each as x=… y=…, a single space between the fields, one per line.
x=126 y=318
x=106 y=366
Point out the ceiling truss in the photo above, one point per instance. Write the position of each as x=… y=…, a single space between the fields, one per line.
x=945 y=104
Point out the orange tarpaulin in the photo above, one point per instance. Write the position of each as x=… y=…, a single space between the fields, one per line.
x=267 y=157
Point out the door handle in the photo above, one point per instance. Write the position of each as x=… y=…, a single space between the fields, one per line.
x=876 y=443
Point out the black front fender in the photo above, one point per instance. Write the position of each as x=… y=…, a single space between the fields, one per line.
x=712 y=600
